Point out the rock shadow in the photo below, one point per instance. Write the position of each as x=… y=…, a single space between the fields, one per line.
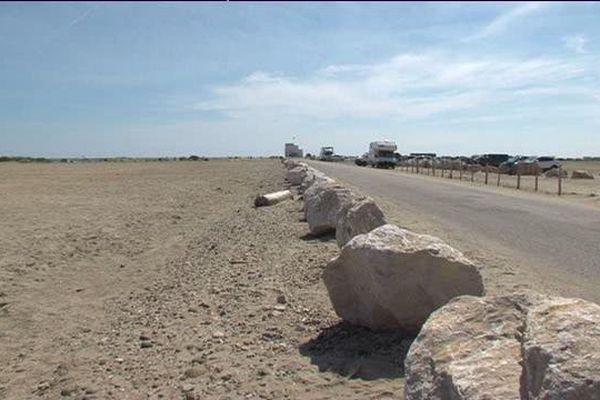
x=325 y=237
x=358 y=353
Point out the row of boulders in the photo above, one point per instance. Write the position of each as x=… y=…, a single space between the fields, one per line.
x=520 y=346
x=576 y=174
x=469 y=346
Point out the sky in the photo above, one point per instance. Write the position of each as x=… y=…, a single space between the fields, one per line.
x=169 y=79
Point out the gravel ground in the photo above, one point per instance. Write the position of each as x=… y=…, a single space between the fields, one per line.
x=160 y=280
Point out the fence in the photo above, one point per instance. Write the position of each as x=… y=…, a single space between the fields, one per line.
x=476 y=173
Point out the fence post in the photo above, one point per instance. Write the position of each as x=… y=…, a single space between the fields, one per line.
x=537 y=173
x=461 y=171
x=518 y=179
x=451 y=173
x=472 y=173
x=442 y=171
x=433 y=167
x=417 y=166
x=498 y=183
x=559 y=180
x=487 y=170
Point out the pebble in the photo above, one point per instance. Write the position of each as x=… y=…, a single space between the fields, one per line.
x=193 y=373
x=281 y=299
x=144 y=344
x=188 y=388
x=218 y=335
x=68 y=391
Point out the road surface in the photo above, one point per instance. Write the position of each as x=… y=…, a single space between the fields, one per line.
x=555 y=237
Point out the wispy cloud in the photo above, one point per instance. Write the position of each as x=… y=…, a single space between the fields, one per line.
x=408 y=86
x=502 y=22
x=576 y=43
x=85 y=14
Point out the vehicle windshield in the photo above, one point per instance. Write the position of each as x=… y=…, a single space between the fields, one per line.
x=385 y=153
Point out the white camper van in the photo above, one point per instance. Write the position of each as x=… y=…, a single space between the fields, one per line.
x=326 y=154
x=381 y=154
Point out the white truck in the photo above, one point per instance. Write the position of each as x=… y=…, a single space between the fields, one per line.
x=326 y=154
x=381 y=154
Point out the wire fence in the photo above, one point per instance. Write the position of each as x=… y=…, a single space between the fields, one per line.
x=530 y=180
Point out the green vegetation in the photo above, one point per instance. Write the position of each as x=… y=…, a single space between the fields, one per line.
x=23 y=159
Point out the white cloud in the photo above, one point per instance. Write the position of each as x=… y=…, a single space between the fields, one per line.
x=408 y=86
x=502 y=22
x=576 y=43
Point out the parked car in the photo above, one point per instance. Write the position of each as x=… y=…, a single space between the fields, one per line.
x=422 y=161
x=547 y=163
x=544 y=163
x=510 y=166
x=491 y=159
x=362 y=160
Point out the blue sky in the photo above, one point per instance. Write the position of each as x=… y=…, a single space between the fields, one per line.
x=150 y=79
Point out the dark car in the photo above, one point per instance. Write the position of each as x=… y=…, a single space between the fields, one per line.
x=510 y=166
x=361 y=161
x=491 y=159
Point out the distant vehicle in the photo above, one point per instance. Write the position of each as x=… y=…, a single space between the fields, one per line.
x=326 y=154
x=362 y=161
x=428 y=155
x=510 y=166
x=381 y=154
x=547 y=163
x=422 y=161
x=491 y=159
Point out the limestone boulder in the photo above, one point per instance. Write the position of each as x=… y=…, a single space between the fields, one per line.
x=518 y=346
x=581 y=174
x=469 y=347
x=393 y=279
x=561 y=350
x=556 y=172
x=316 y=187
x=290 y=164
x=312 y=176
x=296 y=175
x=324 y=208
x=362 y=217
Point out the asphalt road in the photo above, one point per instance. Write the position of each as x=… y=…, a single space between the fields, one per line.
x=557 y=236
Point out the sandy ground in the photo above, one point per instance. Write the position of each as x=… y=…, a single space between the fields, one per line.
x=160 y=280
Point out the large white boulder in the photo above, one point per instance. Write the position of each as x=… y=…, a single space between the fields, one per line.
x=291 y=163
x=393 y=279
x=324 y=207
x=362 y=217
x=316 y=187
x=555 y=172
x=313 y=176
x=581 y=174
x=519 y=346
x=296 y=175
x=561 y=350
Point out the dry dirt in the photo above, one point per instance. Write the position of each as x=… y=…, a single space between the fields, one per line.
x=160 y=280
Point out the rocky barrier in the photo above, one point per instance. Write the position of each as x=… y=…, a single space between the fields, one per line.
x=469 y=346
